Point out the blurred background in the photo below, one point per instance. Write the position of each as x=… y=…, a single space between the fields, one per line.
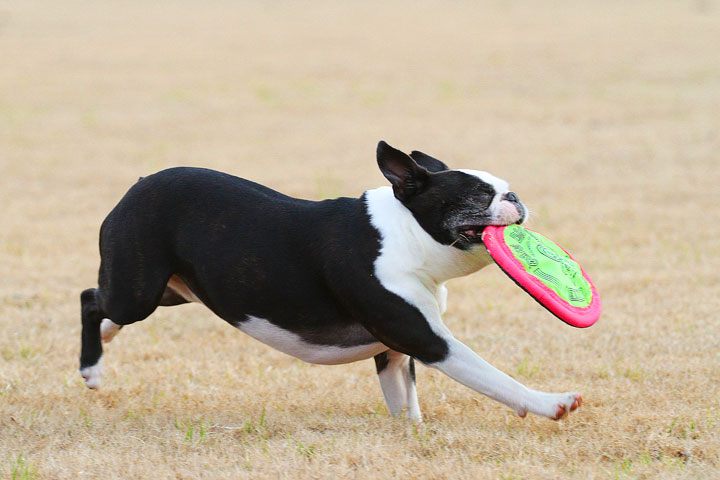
x=604 y=116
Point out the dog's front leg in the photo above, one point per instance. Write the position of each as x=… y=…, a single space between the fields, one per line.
x=466 y=367
x=396 y=372
x=410 y=322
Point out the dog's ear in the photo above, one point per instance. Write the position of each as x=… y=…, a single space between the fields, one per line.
x=406 y=176
x=431 y=164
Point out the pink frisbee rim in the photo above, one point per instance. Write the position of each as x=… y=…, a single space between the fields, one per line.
x=494 y=239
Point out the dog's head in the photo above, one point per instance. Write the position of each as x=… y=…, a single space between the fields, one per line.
x=453 y=206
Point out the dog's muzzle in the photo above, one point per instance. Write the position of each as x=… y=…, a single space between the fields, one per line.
x=510 y=210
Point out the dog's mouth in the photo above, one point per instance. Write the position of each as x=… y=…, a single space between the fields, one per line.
x=470 y=233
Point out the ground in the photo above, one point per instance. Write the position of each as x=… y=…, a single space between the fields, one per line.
x=602 y=115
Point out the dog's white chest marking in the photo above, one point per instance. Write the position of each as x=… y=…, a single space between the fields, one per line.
x=411 y=263
x=292 y=344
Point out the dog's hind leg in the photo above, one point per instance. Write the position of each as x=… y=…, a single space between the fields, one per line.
x=170 y=297
x=129 y=292
x=396 y=372
x=91 y=349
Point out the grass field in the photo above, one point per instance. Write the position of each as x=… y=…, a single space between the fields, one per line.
x=605 y=116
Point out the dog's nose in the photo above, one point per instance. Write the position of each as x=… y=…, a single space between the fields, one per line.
x=511 y=197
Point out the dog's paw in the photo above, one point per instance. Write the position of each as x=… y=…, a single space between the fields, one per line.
x=108 y=330
x=568 y=405
x=556 y=406
x=91 y=375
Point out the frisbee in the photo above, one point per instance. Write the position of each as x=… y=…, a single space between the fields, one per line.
x=546 y=272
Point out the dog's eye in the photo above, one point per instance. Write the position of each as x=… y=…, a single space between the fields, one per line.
x=481 y=196
x=486 y=190
x=483 y=199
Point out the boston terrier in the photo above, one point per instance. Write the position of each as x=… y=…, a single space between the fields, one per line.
x=329 y=282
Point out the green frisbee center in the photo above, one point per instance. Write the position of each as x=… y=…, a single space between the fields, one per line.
x=547 y=262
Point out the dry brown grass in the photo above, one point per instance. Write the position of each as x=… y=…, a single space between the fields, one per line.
x=604 y=115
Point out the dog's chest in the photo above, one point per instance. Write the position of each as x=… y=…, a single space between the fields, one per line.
x=331 y=347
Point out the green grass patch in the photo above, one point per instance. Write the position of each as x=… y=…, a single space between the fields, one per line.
x=22 y=469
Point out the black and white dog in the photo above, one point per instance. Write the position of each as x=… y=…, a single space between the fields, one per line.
x=328 y=282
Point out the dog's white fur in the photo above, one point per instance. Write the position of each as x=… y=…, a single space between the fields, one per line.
x=398 y=386
x=108 y=330
x=92 y=375
x=178 y=286
x=292 y=344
